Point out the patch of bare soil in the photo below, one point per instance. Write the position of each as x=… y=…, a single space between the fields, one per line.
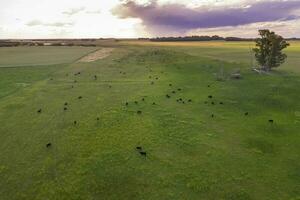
x=97 y=55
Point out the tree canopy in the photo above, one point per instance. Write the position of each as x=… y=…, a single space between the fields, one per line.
x=269 y=50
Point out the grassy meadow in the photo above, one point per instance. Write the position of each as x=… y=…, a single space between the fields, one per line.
x=223 y=147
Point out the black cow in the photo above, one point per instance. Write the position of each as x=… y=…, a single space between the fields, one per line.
x=246 y=113
x=143 y=153
x=210 y=96
x=168 y=96
x=139 y=112
x=39 y=111
x=271 y=121
x=48 y=145
x=139 y=148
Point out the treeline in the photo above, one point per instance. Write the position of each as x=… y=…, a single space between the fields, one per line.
x=7 y=43
x=198 y=38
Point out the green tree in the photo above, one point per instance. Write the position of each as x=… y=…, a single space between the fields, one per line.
x=268 y=51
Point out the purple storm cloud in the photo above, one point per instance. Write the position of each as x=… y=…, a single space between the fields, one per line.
x=181 y=18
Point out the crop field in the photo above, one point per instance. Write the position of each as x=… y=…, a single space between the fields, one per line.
x=149 y=121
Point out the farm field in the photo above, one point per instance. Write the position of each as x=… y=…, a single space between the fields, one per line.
x=238 y=52
x=28 y=56
x=70 y=130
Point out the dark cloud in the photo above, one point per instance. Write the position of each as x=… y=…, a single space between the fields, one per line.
x=54 y=24
x=177 y=17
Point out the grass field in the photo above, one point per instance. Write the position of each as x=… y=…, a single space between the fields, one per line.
x=238 y=52
x=26 y=56
x=204 y=149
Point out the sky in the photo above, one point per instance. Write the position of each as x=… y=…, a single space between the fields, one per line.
x=29 y=19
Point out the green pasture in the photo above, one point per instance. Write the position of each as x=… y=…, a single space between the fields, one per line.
x=223 y=147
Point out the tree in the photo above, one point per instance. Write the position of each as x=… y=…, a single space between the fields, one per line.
x=268 y=51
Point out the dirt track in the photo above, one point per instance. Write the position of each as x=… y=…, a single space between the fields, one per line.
x=100 y=54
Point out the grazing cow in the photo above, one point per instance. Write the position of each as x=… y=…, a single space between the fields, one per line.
x=190 y=100
x=136 y=102
x=180 y=99
x=65 y=108
x=221 y=103
x=72 y=86
x=75 y=122
x=212 y=103
x=271 y=121
x=210 y=96
x=109 y=86
x=48 y=145
x=143 y=99
x=80 y=97
x=95 y=77
x=208 y=86
x=153 y=103
x=139 y=148
x=168 y=96
x=170 y=85
x=156 y=78
x=179 y=89
x=150 y=76
x=152 y=83
x=212 y=115
x=51 y=79
x=39 y=111
x=183 y=102
x=98 y=118
x=126 y=103
x=139 y=112
x=173 y=92
x=66 y=103
x=246 y=113
x=75 y=81
x=143 y=153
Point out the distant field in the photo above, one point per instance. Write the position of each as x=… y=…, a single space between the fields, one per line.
x=239 y=52
x=28 y=56
x=206 y=136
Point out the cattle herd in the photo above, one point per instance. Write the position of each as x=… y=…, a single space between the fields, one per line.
x=140 y=149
